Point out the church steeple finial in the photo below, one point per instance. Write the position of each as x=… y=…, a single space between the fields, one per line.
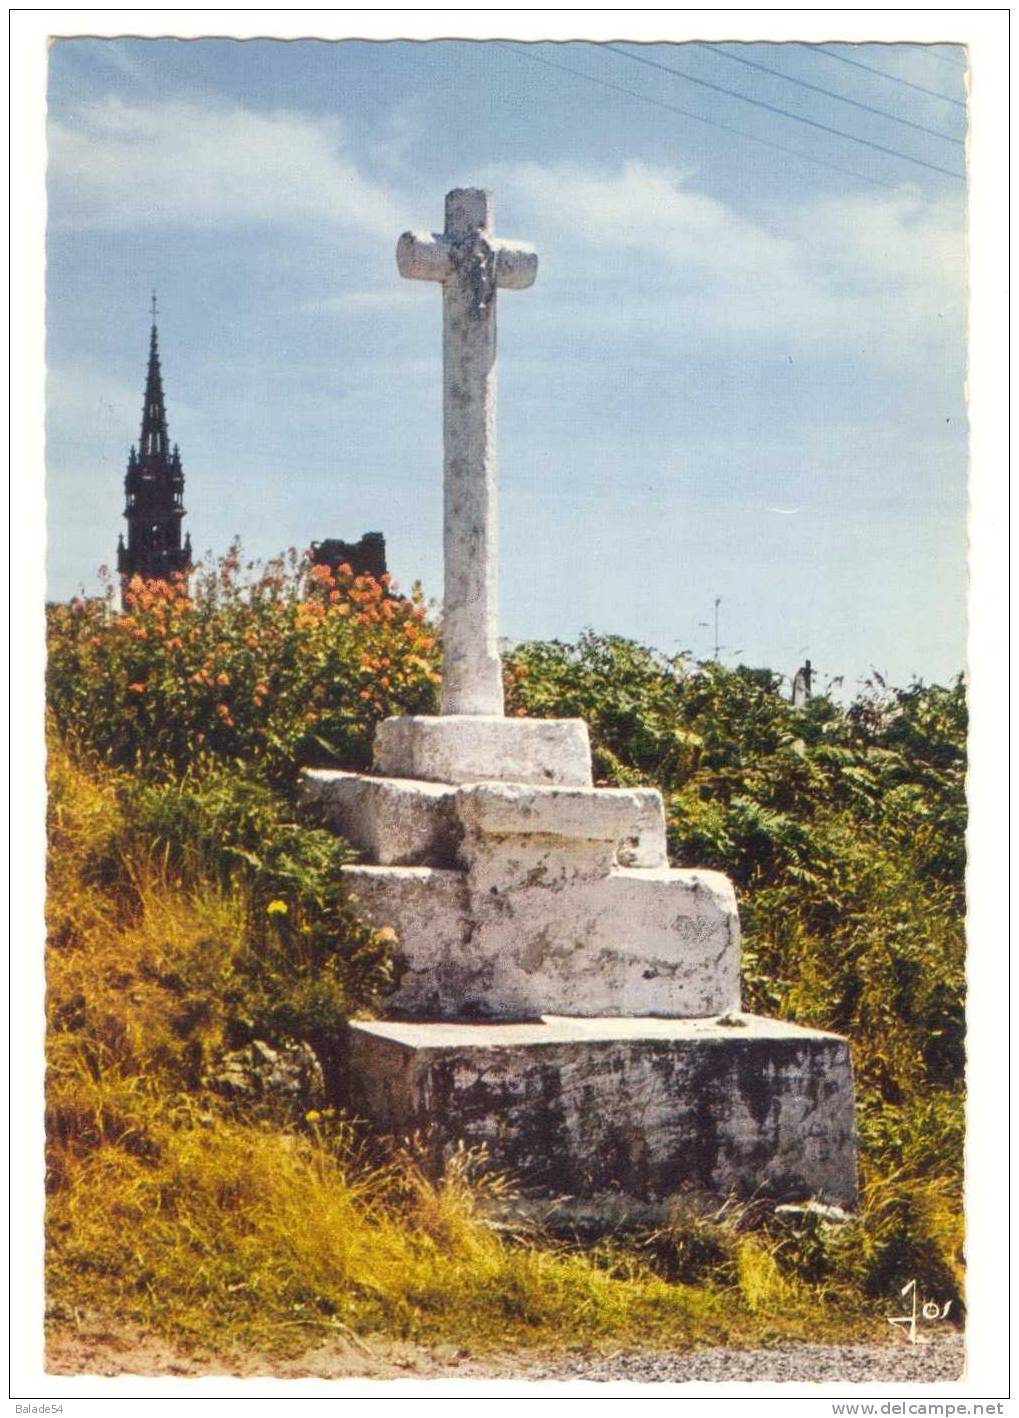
x=154 y=437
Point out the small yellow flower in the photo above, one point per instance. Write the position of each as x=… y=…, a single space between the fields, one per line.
x=276 y=908
x=313 y=1116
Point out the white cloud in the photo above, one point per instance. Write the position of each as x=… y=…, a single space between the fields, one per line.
x=121 y=164
x=875 y=272
x=880 y=272
x=650 y=210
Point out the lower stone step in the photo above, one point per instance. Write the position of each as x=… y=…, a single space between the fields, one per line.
x=645 y=1108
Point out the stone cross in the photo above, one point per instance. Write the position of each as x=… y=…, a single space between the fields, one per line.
x=471 y=263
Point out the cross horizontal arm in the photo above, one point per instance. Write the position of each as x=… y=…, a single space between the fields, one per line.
x=428 y=256
x=423 y=256
x=516 y=264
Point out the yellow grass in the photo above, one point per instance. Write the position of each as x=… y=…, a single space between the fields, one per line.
x=171 y=1211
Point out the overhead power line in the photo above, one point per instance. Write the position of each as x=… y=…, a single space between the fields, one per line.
x=842 y=98
x=782 y=112
x=882 y=73
x=945 y=58
x=715 y=123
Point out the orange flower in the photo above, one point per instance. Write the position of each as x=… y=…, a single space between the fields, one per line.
x=345 y=569
x=261 y=689
x=222 y=677
x=137 y=688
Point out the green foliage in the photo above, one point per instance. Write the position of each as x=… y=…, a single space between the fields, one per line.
x=280 y=666
x=844 y=830
x=192 y=908
x=210 y=699
x=274 y=949
x=223 y=1225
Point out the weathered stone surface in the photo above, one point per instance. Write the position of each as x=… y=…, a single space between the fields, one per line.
x=474 y=748
x=523 y=810
x=646 y=1107
x=406 y=822
x=646 y=844
x=519 y=835
x=633 y=942
x=391 y=820
x=471 y=263
x=516 y=938
x=429 y=911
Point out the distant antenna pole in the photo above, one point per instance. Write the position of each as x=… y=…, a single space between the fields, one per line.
x=704 y=623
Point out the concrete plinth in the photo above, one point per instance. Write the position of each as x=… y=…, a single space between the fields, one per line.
x=740 y=1106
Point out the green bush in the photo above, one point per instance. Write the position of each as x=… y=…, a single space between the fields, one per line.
x=844 y=830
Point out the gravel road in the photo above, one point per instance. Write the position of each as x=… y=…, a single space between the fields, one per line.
x=940 y=1361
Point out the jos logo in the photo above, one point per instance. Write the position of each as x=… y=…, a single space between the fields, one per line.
x=929 y=1310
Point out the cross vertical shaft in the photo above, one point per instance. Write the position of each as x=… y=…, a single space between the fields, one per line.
x=471 y=669
x=471 y=264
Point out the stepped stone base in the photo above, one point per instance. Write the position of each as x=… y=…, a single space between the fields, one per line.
x=641 y=1107
x=582 y=989
x=512 y=900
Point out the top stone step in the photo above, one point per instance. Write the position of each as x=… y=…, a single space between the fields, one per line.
x=464 y=748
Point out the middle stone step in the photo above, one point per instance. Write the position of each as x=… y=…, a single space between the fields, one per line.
x=514 y=901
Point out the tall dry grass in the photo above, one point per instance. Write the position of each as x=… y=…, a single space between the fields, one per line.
x=171 y=1210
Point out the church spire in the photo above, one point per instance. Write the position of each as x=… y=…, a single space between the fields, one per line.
x=154 y=439
x=154 y=488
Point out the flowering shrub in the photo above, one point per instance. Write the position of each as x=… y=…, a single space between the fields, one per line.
x=293 y=664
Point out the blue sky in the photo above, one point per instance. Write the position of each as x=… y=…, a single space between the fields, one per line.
x=739 y=373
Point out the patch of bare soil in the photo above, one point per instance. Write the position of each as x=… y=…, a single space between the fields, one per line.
x=101 y=1352
x=110 y=1354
